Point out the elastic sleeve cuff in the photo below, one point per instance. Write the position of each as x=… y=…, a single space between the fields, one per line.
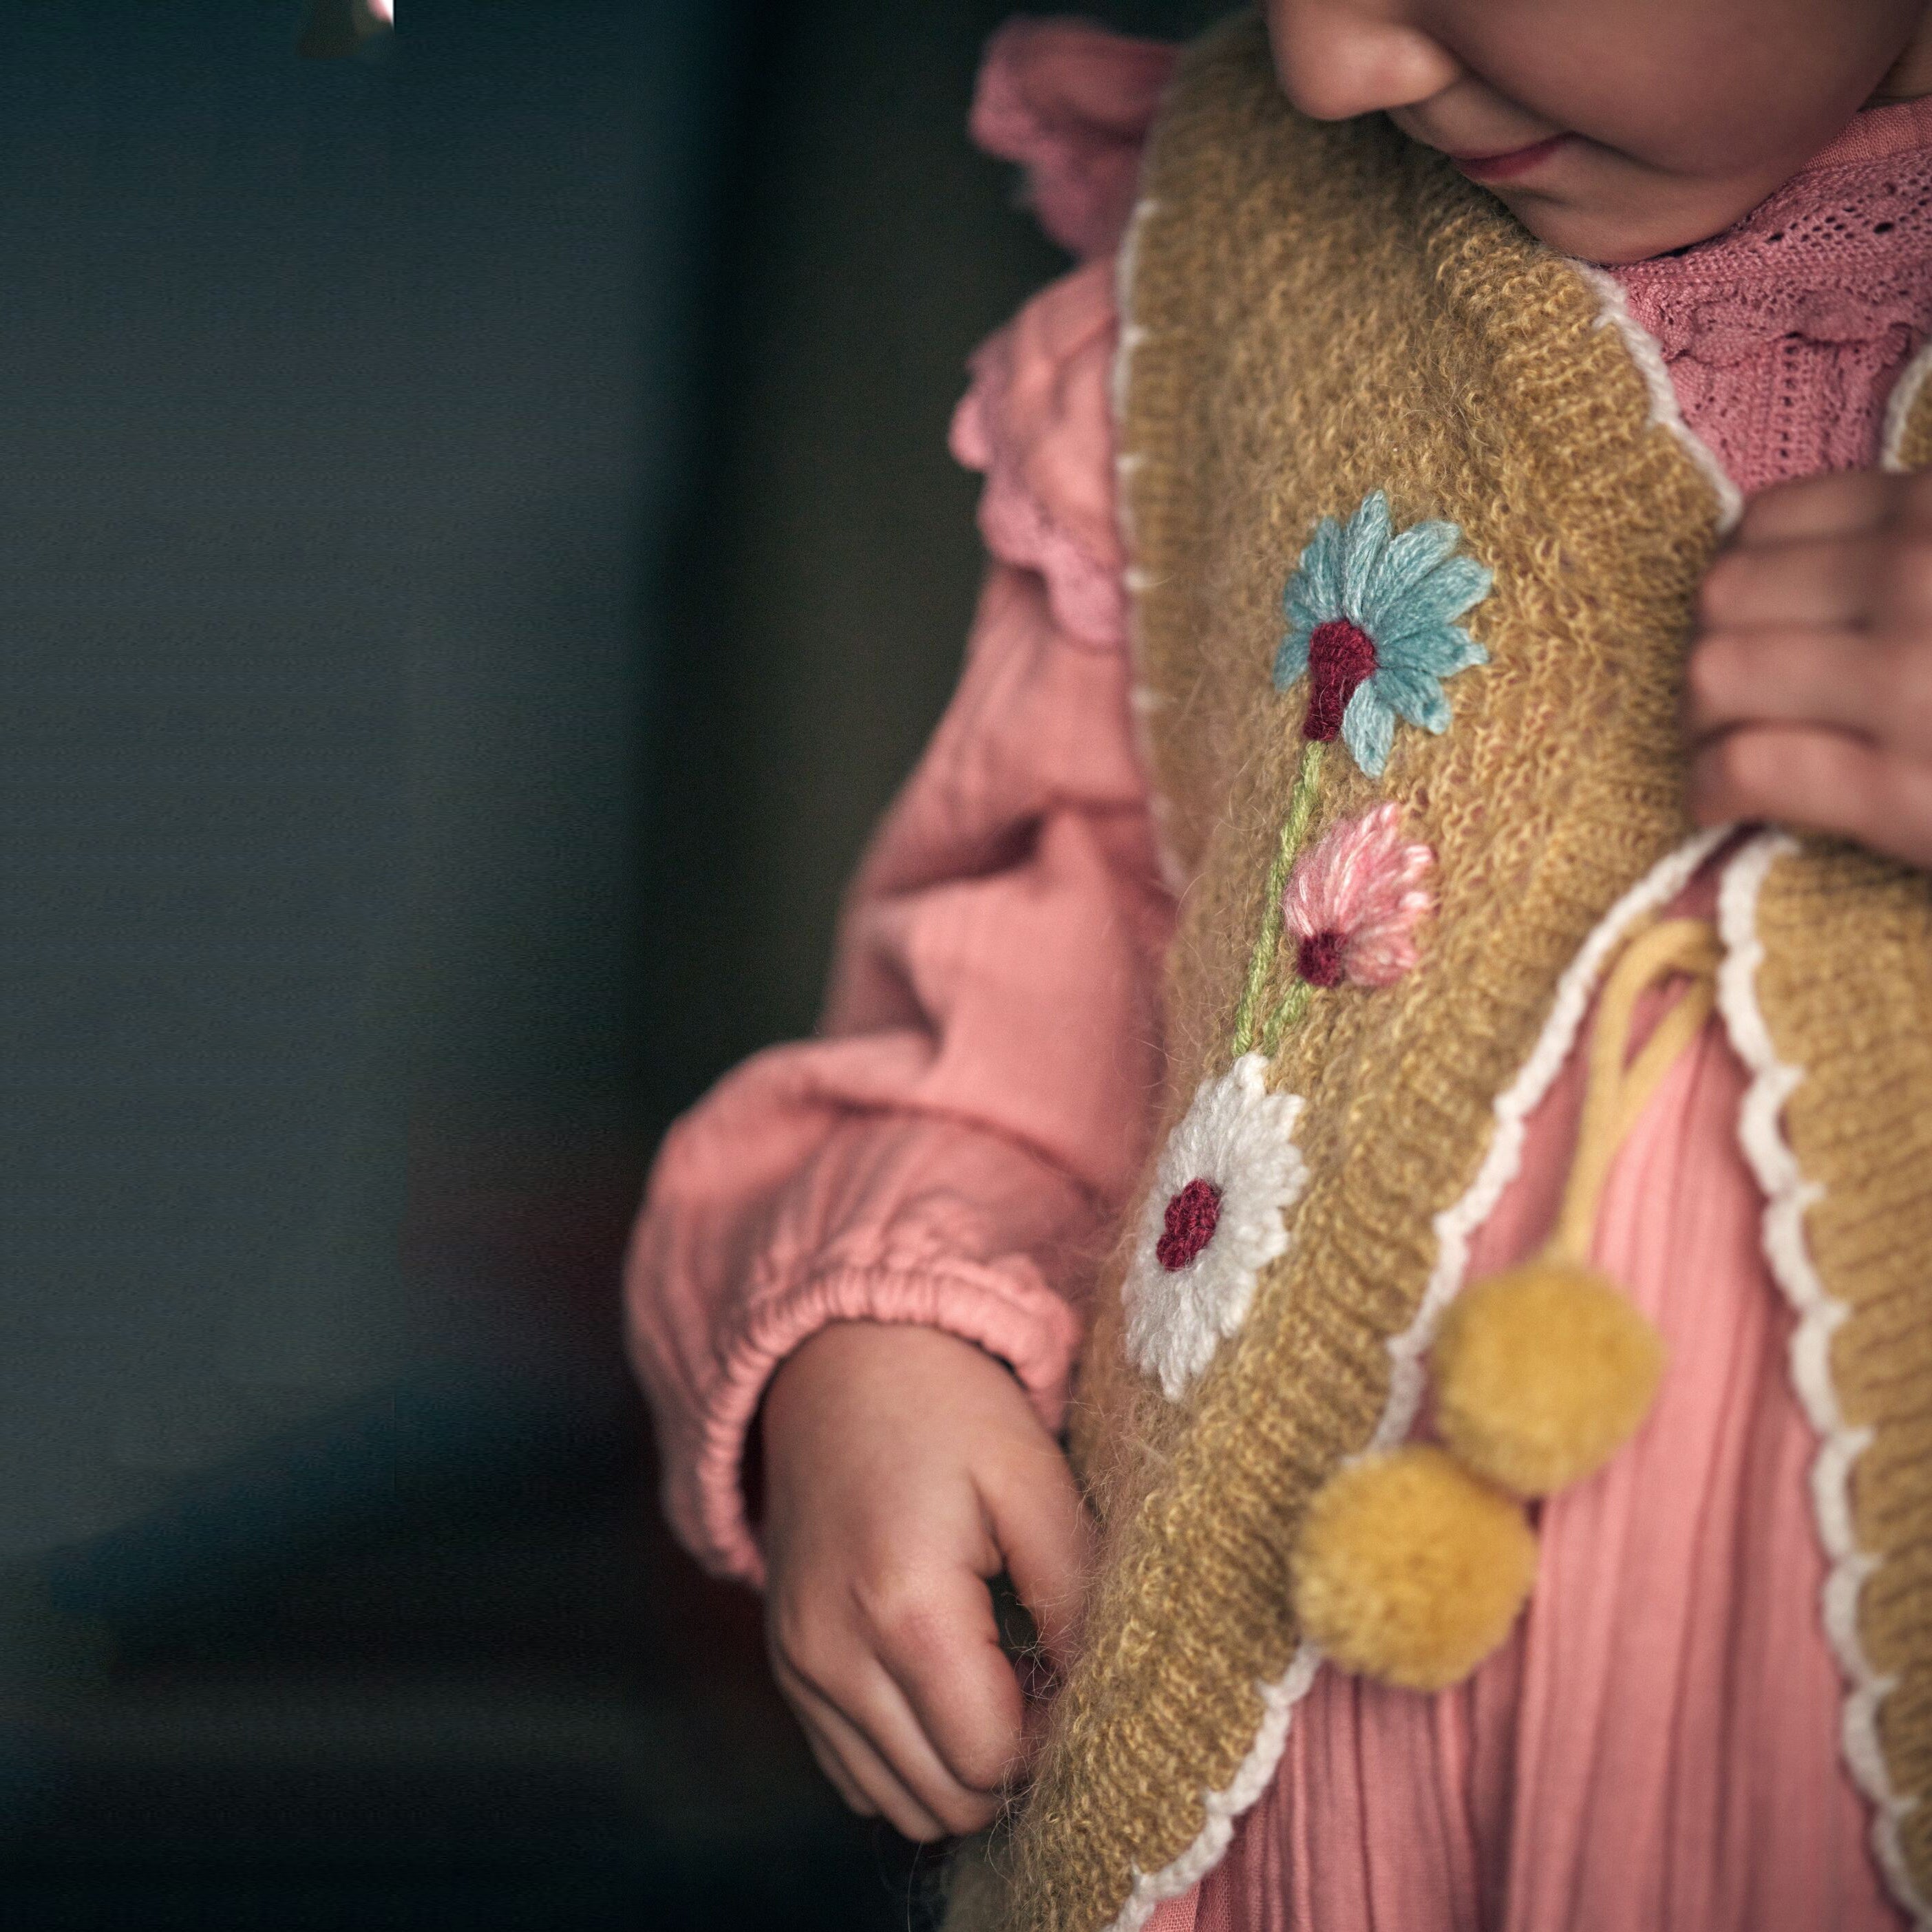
x=1022 y=1322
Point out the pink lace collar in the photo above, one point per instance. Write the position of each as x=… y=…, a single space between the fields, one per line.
x=1785 y=334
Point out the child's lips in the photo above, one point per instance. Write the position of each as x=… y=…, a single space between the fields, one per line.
x=1508 y=166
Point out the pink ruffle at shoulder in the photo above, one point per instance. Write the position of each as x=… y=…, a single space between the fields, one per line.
x=1073 y=105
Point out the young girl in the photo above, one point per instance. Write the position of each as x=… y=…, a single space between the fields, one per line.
x=1408 y=961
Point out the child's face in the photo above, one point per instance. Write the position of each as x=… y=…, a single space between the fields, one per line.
x=1613 y=129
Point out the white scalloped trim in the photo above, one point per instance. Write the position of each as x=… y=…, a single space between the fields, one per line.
x=1455 y=1227
x=1614 y=312
x=1143 y=701
x=1126 y=261
x=1224 y=1807
x=1788 y=1195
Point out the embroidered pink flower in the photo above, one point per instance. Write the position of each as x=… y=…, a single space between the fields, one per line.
x=1354 y=902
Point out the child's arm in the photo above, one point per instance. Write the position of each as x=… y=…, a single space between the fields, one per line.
x=1810 y=684
x=947 y=1152
x=942 y=1161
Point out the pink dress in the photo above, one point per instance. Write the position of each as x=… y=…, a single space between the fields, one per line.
x=1657 y=1746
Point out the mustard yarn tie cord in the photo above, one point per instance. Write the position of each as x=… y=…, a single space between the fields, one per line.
x=1412 y=1563
x=1617 y=1095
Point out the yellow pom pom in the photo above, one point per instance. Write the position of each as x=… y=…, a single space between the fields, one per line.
x=1409 y=1570
x=1542 y=1374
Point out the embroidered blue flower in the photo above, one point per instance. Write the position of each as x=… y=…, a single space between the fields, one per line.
x=1371 y=624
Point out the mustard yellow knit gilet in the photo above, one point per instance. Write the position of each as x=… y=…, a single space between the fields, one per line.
x=1314 y=313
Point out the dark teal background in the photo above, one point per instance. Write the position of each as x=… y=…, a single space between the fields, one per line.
x=476 y=552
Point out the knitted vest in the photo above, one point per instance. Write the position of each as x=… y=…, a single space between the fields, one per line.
x=1314 y=314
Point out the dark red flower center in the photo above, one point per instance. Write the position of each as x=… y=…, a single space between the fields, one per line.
x=1340 y=656
x=1192 y=1215
x=1319 y=960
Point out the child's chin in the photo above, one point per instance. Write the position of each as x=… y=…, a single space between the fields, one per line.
x=1612 y=237
x=1606 y=240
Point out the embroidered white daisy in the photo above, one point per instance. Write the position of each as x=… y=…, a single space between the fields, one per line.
x=1215 y=1218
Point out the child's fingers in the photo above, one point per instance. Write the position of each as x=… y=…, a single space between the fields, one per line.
x=865 y=1769
x=1818 y=506
x=812 y=1655
x=944 y=1654
x=1830 y=583
x=1043 y=1530
x=836 y=1669
x=882 y=1711
x=1847 y=680
x=877 y=1711
x=1816 y=781
x=836 y=1775
x=894 y=1799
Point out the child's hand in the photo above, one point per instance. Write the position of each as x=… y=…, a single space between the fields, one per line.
x=904 y=1468
x=1810 y=686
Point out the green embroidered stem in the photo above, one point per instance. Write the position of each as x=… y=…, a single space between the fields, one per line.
x=1293 y=1004
x=1294 y=831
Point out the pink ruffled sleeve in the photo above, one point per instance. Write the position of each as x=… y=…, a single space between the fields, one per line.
x=1073 y=104
x=951 y=1145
